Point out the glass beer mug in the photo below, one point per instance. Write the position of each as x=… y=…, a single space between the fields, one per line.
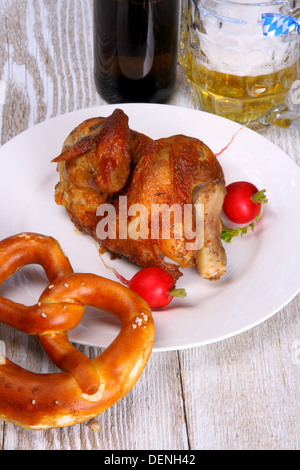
x=233 y=69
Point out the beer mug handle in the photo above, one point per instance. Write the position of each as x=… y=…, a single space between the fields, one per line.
x=285 y=115
x=280 y=116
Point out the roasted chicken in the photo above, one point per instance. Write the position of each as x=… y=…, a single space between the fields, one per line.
x=104 y=164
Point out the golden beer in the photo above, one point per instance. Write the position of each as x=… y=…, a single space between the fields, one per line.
x=239 y=98
x=233 y=70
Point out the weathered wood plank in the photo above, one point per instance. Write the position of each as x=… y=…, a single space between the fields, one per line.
x=242 y=393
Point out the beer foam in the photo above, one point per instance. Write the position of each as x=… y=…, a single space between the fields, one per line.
x=233 y=43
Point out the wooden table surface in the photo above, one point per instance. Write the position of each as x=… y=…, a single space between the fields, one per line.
x=240 y=393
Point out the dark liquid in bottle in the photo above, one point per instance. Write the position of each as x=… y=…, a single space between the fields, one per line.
x=135 y=49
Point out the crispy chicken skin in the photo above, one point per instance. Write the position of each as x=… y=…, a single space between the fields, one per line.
x=180 y=171
x=102 y=154
x=102 y=159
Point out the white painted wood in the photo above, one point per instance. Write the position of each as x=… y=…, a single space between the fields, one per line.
x=241 y=393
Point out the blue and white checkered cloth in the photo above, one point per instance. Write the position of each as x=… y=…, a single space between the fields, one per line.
x=274 y=24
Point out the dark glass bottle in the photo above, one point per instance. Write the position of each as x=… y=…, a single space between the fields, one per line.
x=135 y=49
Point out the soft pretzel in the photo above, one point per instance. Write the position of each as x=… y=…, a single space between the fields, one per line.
x=86 y=387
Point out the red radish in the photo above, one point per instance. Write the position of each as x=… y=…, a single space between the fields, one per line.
x=243 y=204
x=155 y=285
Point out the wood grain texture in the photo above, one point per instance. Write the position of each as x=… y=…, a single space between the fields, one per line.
x=241 y=393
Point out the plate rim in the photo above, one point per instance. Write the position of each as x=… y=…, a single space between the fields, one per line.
x=221 y=120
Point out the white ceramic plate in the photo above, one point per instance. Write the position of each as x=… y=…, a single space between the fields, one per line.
x=263 y=267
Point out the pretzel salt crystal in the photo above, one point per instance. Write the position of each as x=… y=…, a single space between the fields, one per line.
x=86 y=388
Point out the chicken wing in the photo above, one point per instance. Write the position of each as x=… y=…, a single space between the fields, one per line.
x=96 y=161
